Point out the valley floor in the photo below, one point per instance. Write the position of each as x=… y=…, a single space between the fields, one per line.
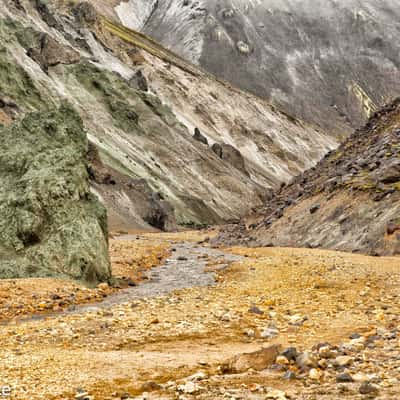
x=148 y=342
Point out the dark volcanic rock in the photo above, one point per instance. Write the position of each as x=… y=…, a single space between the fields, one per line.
x=139 y=81
x=51 y=224
x=130 y=202
x=199 y=137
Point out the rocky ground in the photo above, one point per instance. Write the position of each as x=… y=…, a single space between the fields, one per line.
x=131 y=261
x=264 y=323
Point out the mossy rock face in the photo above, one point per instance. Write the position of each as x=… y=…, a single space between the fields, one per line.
x=50 y=223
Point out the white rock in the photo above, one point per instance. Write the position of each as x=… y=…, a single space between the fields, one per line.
x=250 y=332
x=188 y=388
x=198 y=376
x=326 y=352
x=315 y=374
x=269 y=333
x=344 y=361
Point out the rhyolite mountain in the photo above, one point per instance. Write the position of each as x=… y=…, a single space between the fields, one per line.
x=329 y=62
x=140 y=105
x=349 y=201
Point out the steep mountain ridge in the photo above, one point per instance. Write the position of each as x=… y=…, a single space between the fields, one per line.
x=140 y=104
x=349 y=201
x=332 y=63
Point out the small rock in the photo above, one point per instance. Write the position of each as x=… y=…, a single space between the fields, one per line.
x=289 y=375
x=343 y=361
x=281 y=360
x=297 y=319
x=250 y=333
x=255 y=310
x=306 y=360
x=290 y=353
x=355 y=336
x=326 y=352
x=369 y=388
x=315 y=208
x=198 y=376
x=315 y=374
x=188 y=388
x=257 y=360
x=344 y=378
x=82 y=395
x=269 y=333
x=103 y=286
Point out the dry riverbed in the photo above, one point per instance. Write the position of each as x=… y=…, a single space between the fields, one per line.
x=336 y=317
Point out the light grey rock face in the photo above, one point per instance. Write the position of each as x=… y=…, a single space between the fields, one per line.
x=328 y=62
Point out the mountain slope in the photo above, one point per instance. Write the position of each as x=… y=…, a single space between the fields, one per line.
x=349 y=201
x=332 y=62
x=140 y=104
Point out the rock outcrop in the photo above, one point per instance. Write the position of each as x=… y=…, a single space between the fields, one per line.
x=349 y=201
x=131 y=203
x=231 y=155
x=50 y=223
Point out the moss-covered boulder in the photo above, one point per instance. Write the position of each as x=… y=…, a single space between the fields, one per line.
x=50 y=223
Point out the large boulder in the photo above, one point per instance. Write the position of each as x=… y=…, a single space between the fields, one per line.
x=50 y=223
x=48 y=53
x=231 y=155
